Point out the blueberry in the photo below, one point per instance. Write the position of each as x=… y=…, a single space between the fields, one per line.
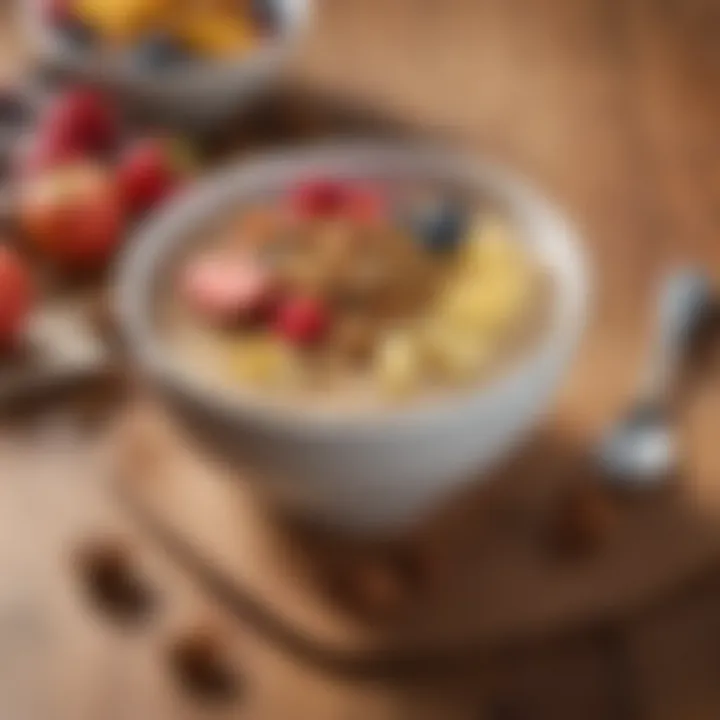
x=160 y=52
x=267 y=14
x=76 y=33
x=439 y=226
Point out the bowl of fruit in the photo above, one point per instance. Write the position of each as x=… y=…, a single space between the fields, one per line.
x=79 y=181
x=361 y=329
x=77 y=184
x=193 y=62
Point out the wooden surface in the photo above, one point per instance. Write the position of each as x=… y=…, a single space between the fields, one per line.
x=460 y=580
x=612 y=105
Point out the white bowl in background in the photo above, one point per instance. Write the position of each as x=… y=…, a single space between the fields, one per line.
x=359 y=472
x=201 y=94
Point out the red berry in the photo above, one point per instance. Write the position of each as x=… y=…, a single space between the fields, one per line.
x=328 y=198
x=319 y=198
x=150 y=171
x=82 y=119
x=302 y=320
x=226 y=290
x=16 y=297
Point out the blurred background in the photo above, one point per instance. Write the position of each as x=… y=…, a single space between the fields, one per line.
x=612 y=108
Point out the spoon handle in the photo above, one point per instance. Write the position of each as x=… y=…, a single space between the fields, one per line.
x=684 y=300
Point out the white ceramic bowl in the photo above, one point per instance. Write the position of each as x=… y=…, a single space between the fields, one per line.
x=360 y=472
x=201 y=95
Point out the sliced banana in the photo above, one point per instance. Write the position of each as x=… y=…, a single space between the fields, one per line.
x=455 y=355
x=492 y=247
x=398 y=365
x=265 y=362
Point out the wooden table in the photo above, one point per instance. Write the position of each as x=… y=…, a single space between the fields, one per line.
x=609 y=104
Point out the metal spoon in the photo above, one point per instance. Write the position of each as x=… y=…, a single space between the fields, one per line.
x=641 y=450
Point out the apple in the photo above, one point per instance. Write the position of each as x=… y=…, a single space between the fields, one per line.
x=73 y=215
x=16 y=297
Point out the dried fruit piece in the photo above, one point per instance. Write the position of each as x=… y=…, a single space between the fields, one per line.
x=225 y=290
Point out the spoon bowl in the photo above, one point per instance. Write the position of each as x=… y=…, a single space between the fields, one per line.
x=641 y=450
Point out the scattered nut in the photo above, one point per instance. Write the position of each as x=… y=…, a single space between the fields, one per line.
x=378 y=587
x=582 y=520
x=198 y=662
x=112 y=580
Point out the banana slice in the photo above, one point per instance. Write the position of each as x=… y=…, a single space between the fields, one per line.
x=491 y=247
x=398 y=365
x=264 y=362
x=489 y=305
x=453 y=354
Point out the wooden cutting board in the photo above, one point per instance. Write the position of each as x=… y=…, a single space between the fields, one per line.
x=544 y=548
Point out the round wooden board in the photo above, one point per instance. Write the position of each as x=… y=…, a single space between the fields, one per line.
x=476 y=563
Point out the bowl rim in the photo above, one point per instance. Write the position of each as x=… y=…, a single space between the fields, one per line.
x=157 y=239
x=296 y=20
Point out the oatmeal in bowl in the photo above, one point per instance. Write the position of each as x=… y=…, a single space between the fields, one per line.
x=359 y=328
x=355 y=295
